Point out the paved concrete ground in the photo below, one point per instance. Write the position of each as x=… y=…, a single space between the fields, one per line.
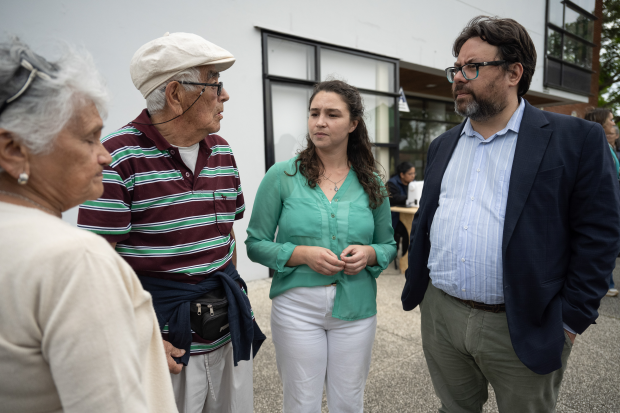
x=399 y=380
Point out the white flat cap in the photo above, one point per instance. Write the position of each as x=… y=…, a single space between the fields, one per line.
x=162 y=58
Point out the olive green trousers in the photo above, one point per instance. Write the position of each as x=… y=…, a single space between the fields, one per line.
x=466 y=349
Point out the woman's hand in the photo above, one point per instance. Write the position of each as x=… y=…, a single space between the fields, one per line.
x=360 y=257
x=319 y=259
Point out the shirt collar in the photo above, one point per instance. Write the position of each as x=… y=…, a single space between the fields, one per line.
x=143 y=124
x=513 y=124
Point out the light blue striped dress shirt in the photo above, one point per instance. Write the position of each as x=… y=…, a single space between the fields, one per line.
x=466 y=235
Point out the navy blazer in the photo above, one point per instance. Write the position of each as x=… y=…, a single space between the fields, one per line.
x=561 y=231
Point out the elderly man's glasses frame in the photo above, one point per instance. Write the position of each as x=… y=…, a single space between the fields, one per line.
x=219 y=85
x=470 y=71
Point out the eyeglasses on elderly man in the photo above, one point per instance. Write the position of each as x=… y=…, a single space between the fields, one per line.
x=219 y=85
x=162 y=91
x=77 y=328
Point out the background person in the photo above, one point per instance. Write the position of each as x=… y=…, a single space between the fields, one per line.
x=605 y=118
x=398 y=187
x=617 y=141
x=334 y=238
x=78 y=331
x=172 y=194
x=516 y=235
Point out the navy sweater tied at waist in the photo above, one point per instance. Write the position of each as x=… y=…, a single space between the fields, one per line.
x=171 y=300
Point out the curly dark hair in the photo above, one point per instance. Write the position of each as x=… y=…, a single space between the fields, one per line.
x=359 y=149
x=513 y=42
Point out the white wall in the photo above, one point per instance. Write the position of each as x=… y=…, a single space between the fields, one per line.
x=415 y=31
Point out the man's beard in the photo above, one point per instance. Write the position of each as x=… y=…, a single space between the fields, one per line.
x=479 y=110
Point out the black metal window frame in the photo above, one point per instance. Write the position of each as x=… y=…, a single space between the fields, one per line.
x=404 y=116
x=565 y=33
x=268 y=80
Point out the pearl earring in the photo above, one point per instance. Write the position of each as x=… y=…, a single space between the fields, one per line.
x=23 y=178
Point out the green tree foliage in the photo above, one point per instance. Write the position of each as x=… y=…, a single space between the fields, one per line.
x=609 y=77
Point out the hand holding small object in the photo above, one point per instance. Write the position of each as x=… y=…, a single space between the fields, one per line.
x=319 y=259
x=358 y=257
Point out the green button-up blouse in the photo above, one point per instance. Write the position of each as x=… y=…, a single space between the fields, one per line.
x=304 y=216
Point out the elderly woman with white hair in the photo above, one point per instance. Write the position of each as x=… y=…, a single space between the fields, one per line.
x=78 y=332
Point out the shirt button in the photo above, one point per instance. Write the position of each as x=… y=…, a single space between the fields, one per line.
x=336 y=200
x=333 y=216
x=333 y=237
x=187 y=174
x=465 y=227
x=472 y=198
x=463 y=259
x=463 y=289
x=478 y=170
x=172 y=151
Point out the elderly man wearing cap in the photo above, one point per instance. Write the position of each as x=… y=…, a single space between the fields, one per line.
x=172 y=194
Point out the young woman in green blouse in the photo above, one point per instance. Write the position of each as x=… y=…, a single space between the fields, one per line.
x=334 y=237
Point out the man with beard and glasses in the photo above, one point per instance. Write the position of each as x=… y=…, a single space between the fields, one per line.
x=516 y=235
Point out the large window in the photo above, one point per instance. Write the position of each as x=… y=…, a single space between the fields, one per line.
x=425 y=121
x=568 y=60
x=291 y=66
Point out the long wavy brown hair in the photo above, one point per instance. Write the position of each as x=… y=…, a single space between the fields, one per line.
x=359 y=149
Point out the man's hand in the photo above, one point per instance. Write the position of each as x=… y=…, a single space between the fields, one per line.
x=172 y=351
x=571 y=336
x=360 y=257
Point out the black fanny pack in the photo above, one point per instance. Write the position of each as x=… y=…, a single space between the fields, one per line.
x=209 y=315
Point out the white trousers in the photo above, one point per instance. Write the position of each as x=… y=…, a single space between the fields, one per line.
x=313 y=350
x=210 y=383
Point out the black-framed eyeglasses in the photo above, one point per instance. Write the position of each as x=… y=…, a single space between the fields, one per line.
x=219 y=85
x=470 y=71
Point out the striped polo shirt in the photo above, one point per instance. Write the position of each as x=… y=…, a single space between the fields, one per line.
x=168 y=221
